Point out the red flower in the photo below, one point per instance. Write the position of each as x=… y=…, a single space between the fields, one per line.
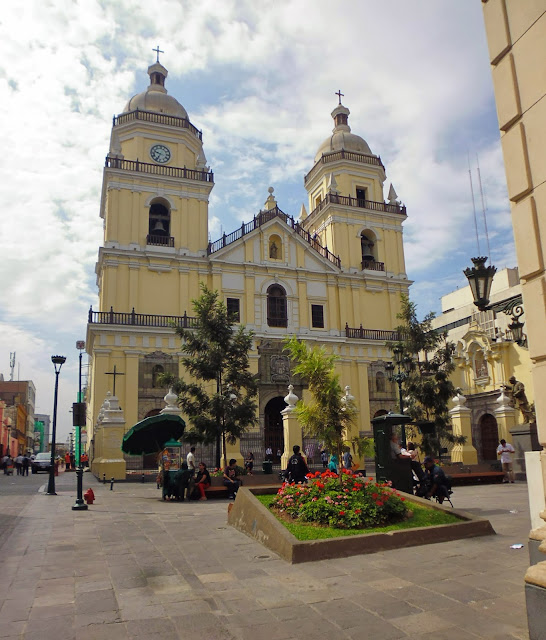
x=342 y=513
x=358 y=510
x=402 y=498
x=375 y=495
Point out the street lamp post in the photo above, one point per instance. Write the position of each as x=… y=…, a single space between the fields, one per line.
x=403 y=366
x=78 y=414
x=480 y=279
x=58 y=362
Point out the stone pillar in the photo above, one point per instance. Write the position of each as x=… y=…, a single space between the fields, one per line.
x=505 y=415
x=291 y=426
x=535 y=589
x=109 y=458
x=462 y=426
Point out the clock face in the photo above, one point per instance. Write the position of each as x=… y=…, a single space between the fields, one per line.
x=160 y=153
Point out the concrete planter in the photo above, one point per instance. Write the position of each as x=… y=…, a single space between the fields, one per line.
x=251 y=517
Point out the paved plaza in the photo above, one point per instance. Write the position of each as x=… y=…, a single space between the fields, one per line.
x=136 y=567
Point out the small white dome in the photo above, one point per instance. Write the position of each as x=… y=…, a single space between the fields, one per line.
x=156 y=98
x=341 y=137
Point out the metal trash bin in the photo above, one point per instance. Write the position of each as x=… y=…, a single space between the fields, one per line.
x=267 y=466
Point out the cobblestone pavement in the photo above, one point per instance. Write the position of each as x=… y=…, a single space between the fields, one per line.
x=136 y=567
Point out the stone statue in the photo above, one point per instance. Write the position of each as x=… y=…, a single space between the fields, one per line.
x=519 y=399
x=273 y=251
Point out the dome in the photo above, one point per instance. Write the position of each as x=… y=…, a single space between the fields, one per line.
x=341 y=137
x=156 y=98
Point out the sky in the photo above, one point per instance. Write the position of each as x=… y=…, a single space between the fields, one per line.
x=258 y=78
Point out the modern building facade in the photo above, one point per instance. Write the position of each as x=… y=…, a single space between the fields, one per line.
x=332 y=277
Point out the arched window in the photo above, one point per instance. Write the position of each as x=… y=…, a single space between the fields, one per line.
x=367 y=246
x=276 y=306
x=159 y=225
x=380 y=381
x=156 y=372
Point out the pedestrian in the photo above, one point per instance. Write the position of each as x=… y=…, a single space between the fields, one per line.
x=26 y=465
x=249 y=462
x=67 y=461
x=297 y=468
x=8 y=468
x=190 y=460
x=5 y=460
x=269 y=453
x=231 y=480
x=347 y=460
x=19 y=464
x=505 y=451
x=324 y=458
x=279 y=455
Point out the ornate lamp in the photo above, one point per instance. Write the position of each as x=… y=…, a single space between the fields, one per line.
x=480 y=279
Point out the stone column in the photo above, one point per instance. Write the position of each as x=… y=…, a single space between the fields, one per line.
x=462 y=426
x=291 y=426
x=110 y=460
x=505 y=415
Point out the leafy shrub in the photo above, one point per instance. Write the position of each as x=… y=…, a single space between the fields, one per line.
x=356 y=502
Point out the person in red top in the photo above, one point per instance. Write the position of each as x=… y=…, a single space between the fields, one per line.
x=67 y=460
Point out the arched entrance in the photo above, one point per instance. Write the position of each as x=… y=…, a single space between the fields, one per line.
x=273 y=427
x=489 y=436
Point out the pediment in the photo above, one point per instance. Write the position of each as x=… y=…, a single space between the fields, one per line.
x=253 y=248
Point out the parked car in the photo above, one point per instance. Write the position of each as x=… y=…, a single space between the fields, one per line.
x=42 y=462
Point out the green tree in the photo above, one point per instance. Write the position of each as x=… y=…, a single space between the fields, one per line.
x=218 y=395
x=428 y=387
x=329 y=416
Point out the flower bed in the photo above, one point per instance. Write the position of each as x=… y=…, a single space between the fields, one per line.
x=354 y=503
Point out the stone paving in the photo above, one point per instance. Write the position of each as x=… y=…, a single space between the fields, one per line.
x=136 y=567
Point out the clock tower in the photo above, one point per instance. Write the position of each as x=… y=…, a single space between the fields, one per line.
x=154 y=204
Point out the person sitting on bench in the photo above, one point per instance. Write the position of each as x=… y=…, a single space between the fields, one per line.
x=435 y=484
x=231 y=481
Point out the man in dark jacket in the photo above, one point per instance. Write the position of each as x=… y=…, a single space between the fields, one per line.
x=436 y=483
x=297 y=467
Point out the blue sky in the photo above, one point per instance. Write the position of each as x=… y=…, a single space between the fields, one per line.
x=259 y=79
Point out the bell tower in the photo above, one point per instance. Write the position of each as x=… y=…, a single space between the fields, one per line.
x=348 y=213
x=154 y=203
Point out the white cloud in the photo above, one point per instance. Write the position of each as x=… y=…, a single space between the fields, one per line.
x=260 y=80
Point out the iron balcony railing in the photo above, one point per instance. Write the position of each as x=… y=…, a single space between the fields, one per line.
x=159 y=118
x=141 y=319
x=372 y=265
x=348 y=201
x=343 y=155
x=371 y=334
x=162 y=241
x=158 y=169
x=262 y=218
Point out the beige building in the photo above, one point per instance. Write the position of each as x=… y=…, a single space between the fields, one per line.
x=486 y=356
x=333 y=276
x=516 y=34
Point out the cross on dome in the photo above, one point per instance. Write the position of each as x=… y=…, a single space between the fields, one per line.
x=339 y=94
x=158 y=51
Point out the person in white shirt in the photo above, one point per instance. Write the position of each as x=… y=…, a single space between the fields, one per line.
x=190 y=459
x=504 y=450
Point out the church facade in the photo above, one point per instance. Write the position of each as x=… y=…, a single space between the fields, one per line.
x=332 y=276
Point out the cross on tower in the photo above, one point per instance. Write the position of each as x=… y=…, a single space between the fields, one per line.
x=114 y=373
x=158 y=51
x=339 y=94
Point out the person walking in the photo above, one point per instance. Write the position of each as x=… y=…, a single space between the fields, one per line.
x=190 y=461
x=26 y=464
x=19 y=464
x=505 y=451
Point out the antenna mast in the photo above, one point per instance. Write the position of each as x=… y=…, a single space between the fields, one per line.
x=484 y=210
x=11 y=365
x=473 y=206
